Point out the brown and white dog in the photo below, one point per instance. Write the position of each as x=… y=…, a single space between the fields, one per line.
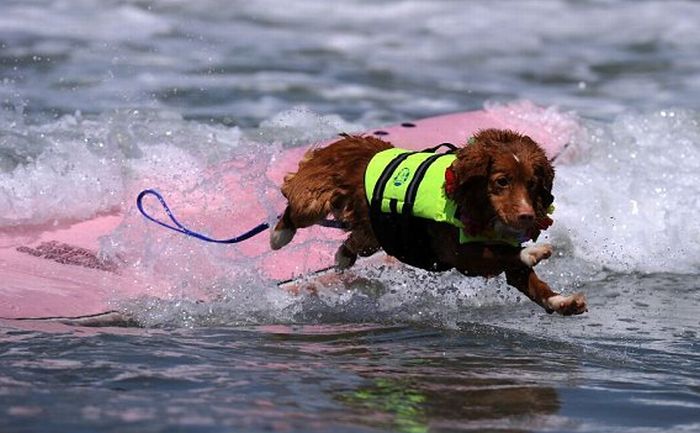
x=502 y=177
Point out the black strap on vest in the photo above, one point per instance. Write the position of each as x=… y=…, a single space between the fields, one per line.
x=412 y=190
x=380 y=186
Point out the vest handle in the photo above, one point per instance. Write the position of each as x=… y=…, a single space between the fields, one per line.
x=452 y=148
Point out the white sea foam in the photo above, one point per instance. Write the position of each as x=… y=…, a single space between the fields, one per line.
x=630 y=202
x=626 y=188
x=626 y=196
x=626 y=192
x=301 y=126
x=77 y=167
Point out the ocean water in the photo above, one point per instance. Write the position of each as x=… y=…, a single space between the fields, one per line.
x=99 y=95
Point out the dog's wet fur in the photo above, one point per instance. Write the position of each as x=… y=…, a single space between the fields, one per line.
x=503 y=178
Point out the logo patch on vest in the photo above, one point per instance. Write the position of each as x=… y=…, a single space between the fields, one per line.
x=401 y=176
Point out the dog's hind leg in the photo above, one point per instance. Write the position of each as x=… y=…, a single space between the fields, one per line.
x=295 y=217
x=358 y=243
x=344 y=257
x=284 y=231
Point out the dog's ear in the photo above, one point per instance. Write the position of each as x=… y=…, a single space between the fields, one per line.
x=470 y=167
x=545 y=174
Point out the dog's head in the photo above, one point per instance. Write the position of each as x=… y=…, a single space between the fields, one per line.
x=505 y=176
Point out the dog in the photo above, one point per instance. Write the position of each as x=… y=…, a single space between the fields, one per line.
x=471 y=210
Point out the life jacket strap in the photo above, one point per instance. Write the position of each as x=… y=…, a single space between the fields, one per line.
x=380 y=186
x=412 y=189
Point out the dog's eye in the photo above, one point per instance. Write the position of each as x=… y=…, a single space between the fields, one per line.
x=502 y=181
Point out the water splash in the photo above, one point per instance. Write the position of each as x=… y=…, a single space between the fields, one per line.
x=629 y=202
x=621 y=197
x=626 y=196
x=79 y=166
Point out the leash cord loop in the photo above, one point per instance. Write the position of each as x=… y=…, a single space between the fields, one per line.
x=178 y=227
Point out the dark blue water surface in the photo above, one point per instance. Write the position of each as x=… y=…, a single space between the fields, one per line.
x=504 y=368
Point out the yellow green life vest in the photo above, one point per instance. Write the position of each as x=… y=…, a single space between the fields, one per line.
x=411 y=183
x=406 y=183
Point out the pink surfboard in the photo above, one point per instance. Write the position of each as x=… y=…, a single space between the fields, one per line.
x=55 y=273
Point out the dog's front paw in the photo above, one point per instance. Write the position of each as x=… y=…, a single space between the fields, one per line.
x=281 y=237
x=568 y=305
x=344 y=258
x=532 y=255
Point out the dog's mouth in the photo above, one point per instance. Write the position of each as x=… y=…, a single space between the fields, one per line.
x=495 y=224
x=524 y=230
x=519 y=224
x=506 y=229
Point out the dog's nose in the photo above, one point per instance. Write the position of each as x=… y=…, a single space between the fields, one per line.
x=526 y=216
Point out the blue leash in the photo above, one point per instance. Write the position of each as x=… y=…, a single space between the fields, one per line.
x=178 y=227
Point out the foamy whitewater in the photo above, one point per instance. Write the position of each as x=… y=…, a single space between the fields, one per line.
x=101 y=99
